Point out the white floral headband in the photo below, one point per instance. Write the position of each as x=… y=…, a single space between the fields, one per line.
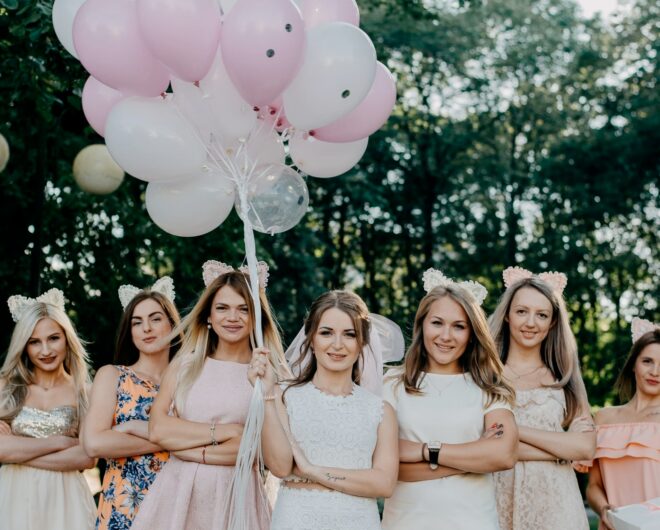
x=18 y=304
x=434 y=278
x=641 y=327
x=556 y=280
x=212 y=269
x=164 y=286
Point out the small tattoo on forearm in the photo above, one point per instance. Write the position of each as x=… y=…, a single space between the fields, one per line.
x=334 y=478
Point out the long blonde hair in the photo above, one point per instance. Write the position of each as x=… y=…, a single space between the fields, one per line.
x=16 y=373
x=558 y=349
x=480 y=357
x=199 y=341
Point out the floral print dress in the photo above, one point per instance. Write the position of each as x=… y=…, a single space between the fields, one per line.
x=127 y=480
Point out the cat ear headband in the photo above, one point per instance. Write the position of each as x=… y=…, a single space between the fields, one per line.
x=164 y=286
x=641 y=327
x=19 y=304
x=556 y=280
x=212 y=269
x=434 y=278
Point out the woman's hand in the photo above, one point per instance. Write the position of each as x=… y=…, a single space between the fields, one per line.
x=260 y=367
x=5 y=428
x=605 y=517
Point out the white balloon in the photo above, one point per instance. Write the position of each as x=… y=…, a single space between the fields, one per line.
x=231 y=115
x=325 y=159
x=4 y=153
x=150 y=139
x=194 y=107
x=64 y=11
x=191 y=206
x=263 y=146
x=337 y=72
x=95 y=171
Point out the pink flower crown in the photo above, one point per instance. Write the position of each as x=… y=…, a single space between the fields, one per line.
x=212 y=269
x=556 y=280
x=640 y=326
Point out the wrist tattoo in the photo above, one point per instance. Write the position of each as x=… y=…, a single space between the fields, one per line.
x=334 y=478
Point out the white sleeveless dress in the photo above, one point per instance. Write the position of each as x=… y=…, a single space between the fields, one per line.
x=333 y=431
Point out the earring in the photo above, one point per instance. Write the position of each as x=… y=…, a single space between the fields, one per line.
x=209 y=325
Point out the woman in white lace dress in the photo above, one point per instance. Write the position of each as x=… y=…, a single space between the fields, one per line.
x=333 y=442
x=531 y=329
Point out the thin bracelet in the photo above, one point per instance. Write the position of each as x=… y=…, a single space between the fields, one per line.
x=424 y=445
x=204 y=455
x=270 y=397
x=213 y=440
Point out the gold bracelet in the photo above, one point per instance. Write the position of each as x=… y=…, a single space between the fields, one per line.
x=213 y=440
x=270 y=397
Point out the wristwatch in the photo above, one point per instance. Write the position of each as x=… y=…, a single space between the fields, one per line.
x=434 y=453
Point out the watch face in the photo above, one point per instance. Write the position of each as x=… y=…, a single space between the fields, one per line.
x=434 y=445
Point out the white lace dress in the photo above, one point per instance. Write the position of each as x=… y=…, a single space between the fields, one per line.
x=333 y=431
x=540 y=495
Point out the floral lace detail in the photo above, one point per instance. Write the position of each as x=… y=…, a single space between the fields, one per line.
x=299 y=509
x=335 y=431
x=534 y=494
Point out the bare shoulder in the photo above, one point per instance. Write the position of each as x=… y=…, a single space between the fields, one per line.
x=106 y=373
x=609 y=415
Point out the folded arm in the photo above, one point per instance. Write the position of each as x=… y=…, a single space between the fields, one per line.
x=99 y=437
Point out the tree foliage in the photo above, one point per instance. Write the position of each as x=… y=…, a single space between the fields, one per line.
x=522 y=134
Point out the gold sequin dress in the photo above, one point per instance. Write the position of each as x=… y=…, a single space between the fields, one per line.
x=40 y=499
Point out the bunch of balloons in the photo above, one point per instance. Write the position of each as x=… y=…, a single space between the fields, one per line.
x=204 y=100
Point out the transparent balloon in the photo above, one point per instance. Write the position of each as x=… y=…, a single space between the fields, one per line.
x=277 y=198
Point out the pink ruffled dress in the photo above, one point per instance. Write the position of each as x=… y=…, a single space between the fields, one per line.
x=628 y=455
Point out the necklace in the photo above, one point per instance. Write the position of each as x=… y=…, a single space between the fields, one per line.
x=439 y=391
x=524 y=374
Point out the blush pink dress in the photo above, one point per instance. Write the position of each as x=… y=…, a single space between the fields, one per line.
x=191 y=496
x=628 y=455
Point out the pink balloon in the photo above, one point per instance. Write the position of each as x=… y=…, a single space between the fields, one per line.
x=317 y=12
x=108 y=41
x=183 y=34
x=262 y=46
x=97 y=102
x=368 y=116
x=274 y=115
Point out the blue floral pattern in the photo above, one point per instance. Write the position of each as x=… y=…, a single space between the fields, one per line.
x=127 y=480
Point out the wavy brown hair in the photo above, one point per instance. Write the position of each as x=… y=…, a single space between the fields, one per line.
x=558 y=349
x=625 y=385
x=351 y=304
x=125 y=351
x=479 y=359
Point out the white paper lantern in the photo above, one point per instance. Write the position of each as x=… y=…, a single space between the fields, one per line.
x=4 y=153
x=95 y=171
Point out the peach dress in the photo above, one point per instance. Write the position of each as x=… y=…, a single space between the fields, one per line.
x=628 y=455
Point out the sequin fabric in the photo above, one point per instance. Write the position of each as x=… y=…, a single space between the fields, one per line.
x=37 y=423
